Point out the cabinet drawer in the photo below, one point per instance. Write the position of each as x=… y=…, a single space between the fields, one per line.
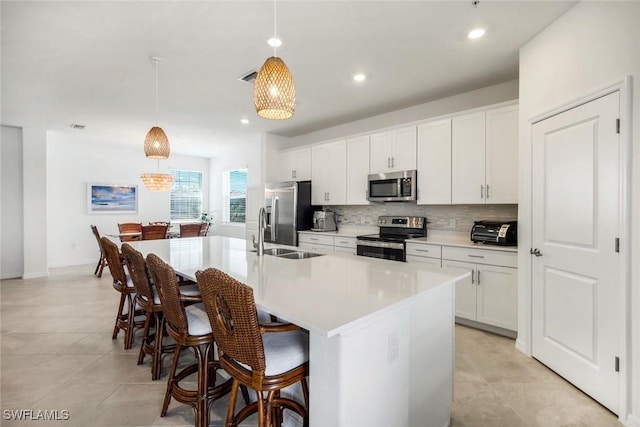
x=345 y=242
x=314 y=247
x=424 y=260
x=431 y=251
x=481 y=256
x=315 y=238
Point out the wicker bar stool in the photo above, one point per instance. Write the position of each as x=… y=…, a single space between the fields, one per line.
x=147 y=297
x=102 y=262
x=189 y=327
x=264 y=362
x=127 y=309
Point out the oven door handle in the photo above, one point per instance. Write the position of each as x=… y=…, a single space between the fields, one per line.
x=376 y=244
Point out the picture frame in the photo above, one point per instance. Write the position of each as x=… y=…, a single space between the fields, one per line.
x=112 y=198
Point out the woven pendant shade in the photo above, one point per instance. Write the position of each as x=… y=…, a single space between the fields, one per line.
x=157 y=181
x=274 y=93
x=156 y=144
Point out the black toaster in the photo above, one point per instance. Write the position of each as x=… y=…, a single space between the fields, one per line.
x=495 y=233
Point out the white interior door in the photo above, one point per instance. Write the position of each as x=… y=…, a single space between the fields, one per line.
x=576 y=279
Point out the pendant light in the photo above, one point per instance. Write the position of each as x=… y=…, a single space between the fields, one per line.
x=156 y=146
x=274 y=93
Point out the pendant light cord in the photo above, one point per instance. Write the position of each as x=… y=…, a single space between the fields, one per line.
x=275 y=27
x=156 y=92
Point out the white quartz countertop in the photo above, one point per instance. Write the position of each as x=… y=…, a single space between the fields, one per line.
x=344 y=231
x=459 y=241
x=329 y=294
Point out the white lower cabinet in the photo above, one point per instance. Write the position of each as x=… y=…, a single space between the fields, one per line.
x=490 y=295
x=326 y=244
x=345 y=244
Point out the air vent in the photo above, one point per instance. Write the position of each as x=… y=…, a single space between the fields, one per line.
x=249 y=77
x=76 y=126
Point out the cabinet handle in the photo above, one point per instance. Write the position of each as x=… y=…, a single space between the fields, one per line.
x=472 y=279
x=422 y=250
x=389 y=162
x=487 y=191
x=475 y=256
x=313 y=238
x=482 y=191
x=393 y=162
x=293 y=174
x=478 y=278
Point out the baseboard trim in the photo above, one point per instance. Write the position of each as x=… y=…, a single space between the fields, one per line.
x=36 y=275
x=521 y=346
x=633 y=421
x=484 y=327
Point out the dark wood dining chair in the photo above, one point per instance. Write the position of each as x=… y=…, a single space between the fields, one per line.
x=127 y=309
x=253 y=357
x=130 y=227
x=189 y=230
x=102 y=261
x=154 y=232
x=189 y=327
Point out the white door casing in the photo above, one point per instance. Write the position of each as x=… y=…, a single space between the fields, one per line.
x=575 y=221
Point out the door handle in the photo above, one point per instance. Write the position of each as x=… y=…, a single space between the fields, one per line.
x=478 y=282
x=393 y=162
x=535 y=252
x=482 y=191
x=473 y=281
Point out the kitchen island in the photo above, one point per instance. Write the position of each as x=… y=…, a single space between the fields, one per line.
x=381 y=332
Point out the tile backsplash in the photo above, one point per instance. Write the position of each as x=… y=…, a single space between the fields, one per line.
x=440 y=217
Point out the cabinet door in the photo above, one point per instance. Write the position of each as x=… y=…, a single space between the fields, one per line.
x=467 y=159
x=319 y=181
x=287 y=166
x=357 y=170
x=336 y=176
x=302 y=163
x=497 y=298
x=465 y=289
x=380 y=155
x=434 y=163
x=502 y=155
x=403 y=149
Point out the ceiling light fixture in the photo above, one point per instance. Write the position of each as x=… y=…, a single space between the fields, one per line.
x=359 y=77
x=476 y=34
x=156 y=146
x=274 y=42
x=244 y=121
x=274 y=93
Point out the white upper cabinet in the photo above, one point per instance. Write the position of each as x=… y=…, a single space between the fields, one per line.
x=329 y=173
x=295 y=165
x=357 y=170
x=502 y=155
x=434 y=163
x=393 y=150
x=484 y=157
x=467 y=159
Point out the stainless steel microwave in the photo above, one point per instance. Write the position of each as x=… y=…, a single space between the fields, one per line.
x=392 y=187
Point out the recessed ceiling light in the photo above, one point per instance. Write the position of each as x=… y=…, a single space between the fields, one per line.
x=476 y=34
x=274 y=42
x=244 y=121
x=359 y=77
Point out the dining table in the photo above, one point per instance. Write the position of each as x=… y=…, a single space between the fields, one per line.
x=381 y=332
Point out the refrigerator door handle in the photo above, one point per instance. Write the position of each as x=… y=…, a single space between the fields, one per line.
x=274 y=219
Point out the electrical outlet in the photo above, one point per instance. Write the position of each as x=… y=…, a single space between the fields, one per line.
x=452 y=223
x=392 y=346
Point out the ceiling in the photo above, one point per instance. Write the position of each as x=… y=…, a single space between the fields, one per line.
x=88 y=62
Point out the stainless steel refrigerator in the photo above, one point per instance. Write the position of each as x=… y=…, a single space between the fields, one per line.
x=289 y=210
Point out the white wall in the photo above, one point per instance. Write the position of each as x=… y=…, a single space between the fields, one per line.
x=11 y=216
x=506 y=91
x=592 y=46
x=242 y=155
x=72 y=162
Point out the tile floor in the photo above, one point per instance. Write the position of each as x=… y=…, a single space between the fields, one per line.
x=57 y=354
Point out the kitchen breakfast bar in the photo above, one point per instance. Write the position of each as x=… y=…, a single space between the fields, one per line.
x=381 y=332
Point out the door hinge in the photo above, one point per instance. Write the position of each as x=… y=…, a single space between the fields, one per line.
x=617 y=364
x=617 y=244
x=617 y=125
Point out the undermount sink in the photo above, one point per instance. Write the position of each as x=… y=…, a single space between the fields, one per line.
x=278 y=251
x=299 y=255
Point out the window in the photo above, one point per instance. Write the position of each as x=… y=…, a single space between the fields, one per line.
x=236 y=196
x=186 y=195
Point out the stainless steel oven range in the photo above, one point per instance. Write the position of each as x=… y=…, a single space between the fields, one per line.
x=389 y=243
